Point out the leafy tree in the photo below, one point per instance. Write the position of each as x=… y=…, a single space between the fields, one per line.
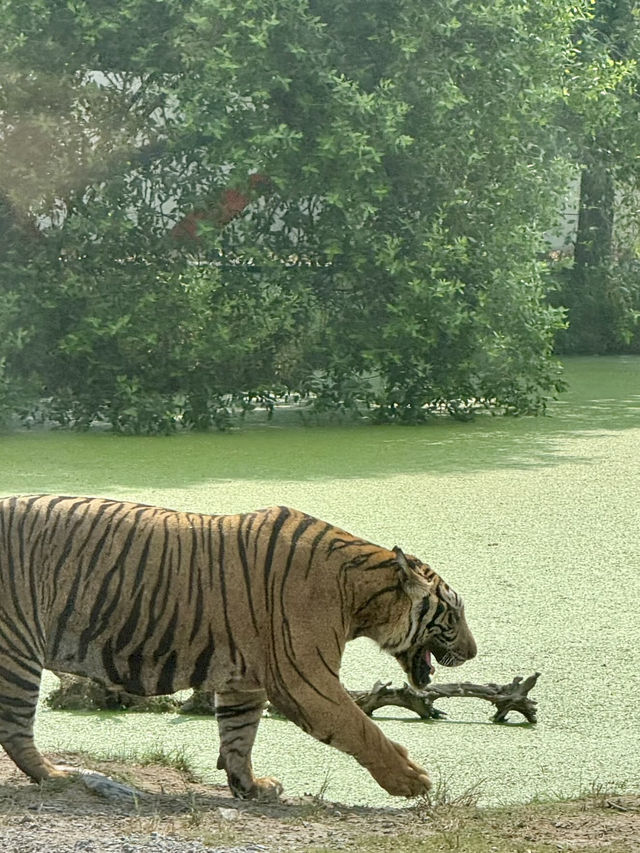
x=602 y=289
x=391 y=167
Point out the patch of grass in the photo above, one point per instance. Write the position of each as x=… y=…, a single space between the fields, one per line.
x=177 y=758
x=222 y=836
x=442 y=797
x=602 y=819
x=316 y=805
x=196 y=812
x=599 y=794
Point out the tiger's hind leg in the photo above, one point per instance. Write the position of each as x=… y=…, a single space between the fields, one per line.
x=19 y=689
x=238 y=714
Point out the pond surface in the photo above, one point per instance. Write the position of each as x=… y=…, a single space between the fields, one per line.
x=536 y=521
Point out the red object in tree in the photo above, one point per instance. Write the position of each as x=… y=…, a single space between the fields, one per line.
x=232 y=202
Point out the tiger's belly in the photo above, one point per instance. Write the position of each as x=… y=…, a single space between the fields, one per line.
x=147 y=673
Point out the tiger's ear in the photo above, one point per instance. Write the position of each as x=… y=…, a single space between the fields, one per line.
x=413 y=582
x=401 y=559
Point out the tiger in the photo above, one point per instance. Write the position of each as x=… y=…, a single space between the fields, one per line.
x=256 y=607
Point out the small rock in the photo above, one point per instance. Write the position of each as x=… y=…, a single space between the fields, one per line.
x=227 y=814
x=107 y=787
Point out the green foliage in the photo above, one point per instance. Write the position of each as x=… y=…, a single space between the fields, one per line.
x=409 y=158
x=602 y=111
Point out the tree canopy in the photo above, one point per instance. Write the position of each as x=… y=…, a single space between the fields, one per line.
x=207 y=204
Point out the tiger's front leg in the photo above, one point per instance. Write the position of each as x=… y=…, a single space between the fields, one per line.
x=238 y=714
x=331 y=716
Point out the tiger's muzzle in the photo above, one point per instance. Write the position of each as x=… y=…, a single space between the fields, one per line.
x=417 y=662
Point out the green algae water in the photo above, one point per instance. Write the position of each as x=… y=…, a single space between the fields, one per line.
x=536 y=521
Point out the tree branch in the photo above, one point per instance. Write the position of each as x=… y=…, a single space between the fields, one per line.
x=505 y=697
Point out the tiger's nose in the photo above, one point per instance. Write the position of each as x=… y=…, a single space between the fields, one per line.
x=472 y=648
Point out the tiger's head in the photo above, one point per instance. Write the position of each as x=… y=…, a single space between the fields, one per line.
x=435 y=625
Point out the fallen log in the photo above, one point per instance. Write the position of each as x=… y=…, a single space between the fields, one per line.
x=505 y=697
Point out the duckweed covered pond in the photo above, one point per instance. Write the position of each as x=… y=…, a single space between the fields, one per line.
x=535 y=521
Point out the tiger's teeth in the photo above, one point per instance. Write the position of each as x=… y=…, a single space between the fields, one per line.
x=427 y=658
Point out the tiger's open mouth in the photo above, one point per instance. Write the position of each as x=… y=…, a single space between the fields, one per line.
x=418 y=667
x=422 y=669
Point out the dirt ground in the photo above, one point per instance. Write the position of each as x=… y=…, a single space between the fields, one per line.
x=177 y=813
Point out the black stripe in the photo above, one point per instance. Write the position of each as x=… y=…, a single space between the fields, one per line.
x=378 y=594
x=69 y=533
x=256 y=542
x=276 y=527
x=309 y=683
x=15 y=627
x=109 y=663
x=133 y=682
x=339 y=643
x=167 y=673
x=53 y=503
x=440 y=608
x=27 y=665
x=230 y=711
x=197 y=616
x=234 y=727
x=242 y=551
x=15 y=526
x=135 y=663
x=414 y=627
x=231 y=746
x=161 y=568
x=22 y=705
x=35 y=589
x=100 y=615
x=338 y=543
x=65 y=615
x=286 y=705
x=197 y=569
x=223 y=589
x=290 y=654
x=10 y=639
x=167 y=640
x=314 y=547
x=95 y=526
x=202 y=663
x=326 y=665
x=299 y=715
x=192 y=561
x=424 y=608
x=364 y=556
x=21 y=720
x=144 y=558
x=125 y=634
x=302 y=527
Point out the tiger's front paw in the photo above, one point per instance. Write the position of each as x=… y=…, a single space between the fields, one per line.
x=265 y=790
x=400 y=776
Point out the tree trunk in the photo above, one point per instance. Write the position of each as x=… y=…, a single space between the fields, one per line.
x=594 y=240
x=590 y=312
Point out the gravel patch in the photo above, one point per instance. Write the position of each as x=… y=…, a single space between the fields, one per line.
x=29 y=835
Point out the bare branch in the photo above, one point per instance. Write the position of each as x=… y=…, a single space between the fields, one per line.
x=505 y=697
